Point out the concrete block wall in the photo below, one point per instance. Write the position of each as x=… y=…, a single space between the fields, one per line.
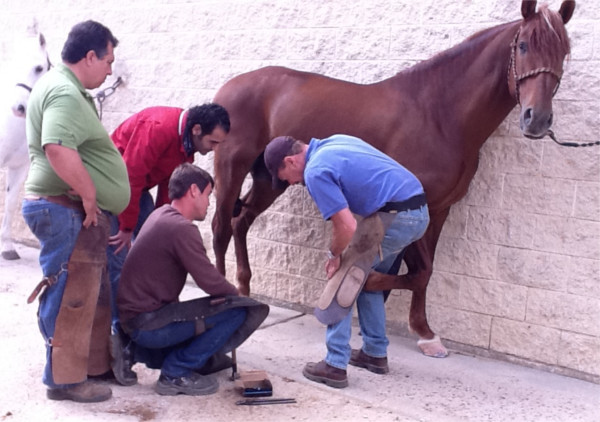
x=517 y=270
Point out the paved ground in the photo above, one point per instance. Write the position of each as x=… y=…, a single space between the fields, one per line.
x=418 y=388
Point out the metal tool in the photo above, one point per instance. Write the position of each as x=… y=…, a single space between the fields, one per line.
x=234 y=372
x=257 y=402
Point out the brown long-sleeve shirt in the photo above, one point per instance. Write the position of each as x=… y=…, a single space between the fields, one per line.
x=167 y=249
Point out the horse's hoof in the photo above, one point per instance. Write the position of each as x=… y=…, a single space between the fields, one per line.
x=432 y=347
x=10 y=255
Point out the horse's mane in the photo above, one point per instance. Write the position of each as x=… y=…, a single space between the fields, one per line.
x=463 y=49
x=548 y=35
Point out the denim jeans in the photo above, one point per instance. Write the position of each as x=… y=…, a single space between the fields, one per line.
x=407 y=227
x=116 y=261
x=57 y=229
x=178 y=350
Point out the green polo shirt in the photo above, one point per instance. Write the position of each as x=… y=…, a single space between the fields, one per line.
x=60 y=111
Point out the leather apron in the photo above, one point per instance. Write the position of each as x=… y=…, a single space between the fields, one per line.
x=343 y=288
x=80 y=345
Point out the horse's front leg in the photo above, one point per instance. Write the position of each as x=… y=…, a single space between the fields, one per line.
x=221 y=227
x=15 y=177
x=241 y=226
x=419 y=260
x=227 y=189
x=258 y=199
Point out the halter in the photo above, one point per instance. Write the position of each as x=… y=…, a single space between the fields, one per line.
x=512 y=68
x=27 y=87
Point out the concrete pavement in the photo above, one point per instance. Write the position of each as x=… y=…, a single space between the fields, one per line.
x=418 y=388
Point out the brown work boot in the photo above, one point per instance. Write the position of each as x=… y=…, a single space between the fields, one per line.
x=86 y=392
x=325 y=373
x=362 y=360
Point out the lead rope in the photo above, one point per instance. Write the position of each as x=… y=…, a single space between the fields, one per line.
x=550 y=133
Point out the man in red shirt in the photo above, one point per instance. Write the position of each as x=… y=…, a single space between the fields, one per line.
x=153 y=143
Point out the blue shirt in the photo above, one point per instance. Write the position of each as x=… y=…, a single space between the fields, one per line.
x=345 y=172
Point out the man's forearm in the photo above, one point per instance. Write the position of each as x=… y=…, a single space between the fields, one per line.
x=67 y=164
x=344 y=226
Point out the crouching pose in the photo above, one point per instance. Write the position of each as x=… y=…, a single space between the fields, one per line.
x=188 y=340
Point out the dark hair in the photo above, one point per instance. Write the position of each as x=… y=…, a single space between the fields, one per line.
x=86 y=36
x=186 y=175
x=275 y=152
x=208 y=116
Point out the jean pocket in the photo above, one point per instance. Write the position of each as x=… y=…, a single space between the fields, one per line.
x=39 y=221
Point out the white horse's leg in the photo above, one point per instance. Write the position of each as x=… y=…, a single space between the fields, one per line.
x=15 y=176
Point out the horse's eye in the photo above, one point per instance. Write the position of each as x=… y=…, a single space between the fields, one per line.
x=39 y=69
x=523 y=47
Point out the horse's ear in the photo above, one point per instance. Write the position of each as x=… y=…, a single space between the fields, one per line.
x=566 y=10
x=42 y=40
x=528 y=8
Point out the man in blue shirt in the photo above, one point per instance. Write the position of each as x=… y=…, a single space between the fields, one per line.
x=345 y=175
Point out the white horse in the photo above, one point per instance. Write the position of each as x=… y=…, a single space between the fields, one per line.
x=30 y=64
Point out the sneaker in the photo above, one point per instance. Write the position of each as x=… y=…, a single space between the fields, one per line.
x=326 y=374
x=86 y=392
x=216 y=363
x=192 y=385
x=121 y=350
x=375 y=365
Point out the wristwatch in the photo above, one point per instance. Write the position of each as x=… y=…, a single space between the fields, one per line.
x=330 y=254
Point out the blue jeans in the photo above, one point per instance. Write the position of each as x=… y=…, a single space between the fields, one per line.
x=178 y=350
x=116 y=261
x=57 y=228
x=407 y=227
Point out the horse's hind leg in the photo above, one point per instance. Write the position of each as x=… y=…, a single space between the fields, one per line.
x=258 y=199
x=15 y=176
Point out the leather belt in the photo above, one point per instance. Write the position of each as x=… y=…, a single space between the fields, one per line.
x=413 y=203
x=63 y=200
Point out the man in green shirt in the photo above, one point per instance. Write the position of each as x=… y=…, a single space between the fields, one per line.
x=76 y=182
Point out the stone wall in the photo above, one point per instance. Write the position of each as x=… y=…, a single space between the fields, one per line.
x=517 y=270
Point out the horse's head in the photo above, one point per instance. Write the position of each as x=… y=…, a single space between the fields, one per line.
x=536 y=66
x=31 y=63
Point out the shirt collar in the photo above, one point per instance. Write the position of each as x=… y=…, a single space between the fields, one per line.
x=68 y=73
x=182 y=122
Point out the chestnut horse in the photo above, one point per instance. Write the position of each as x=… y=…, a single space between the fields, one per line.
x=433 y=118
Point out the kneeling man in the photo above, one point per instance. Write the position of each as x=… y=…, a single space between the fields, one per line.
x=182 y=339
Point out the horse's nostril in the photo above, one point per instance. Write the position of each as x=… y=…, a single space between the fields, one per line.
x=528 y=115
x=21 y=109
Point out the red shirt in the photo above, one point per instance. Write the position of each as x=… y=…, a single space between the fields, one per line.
x=151 y=143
